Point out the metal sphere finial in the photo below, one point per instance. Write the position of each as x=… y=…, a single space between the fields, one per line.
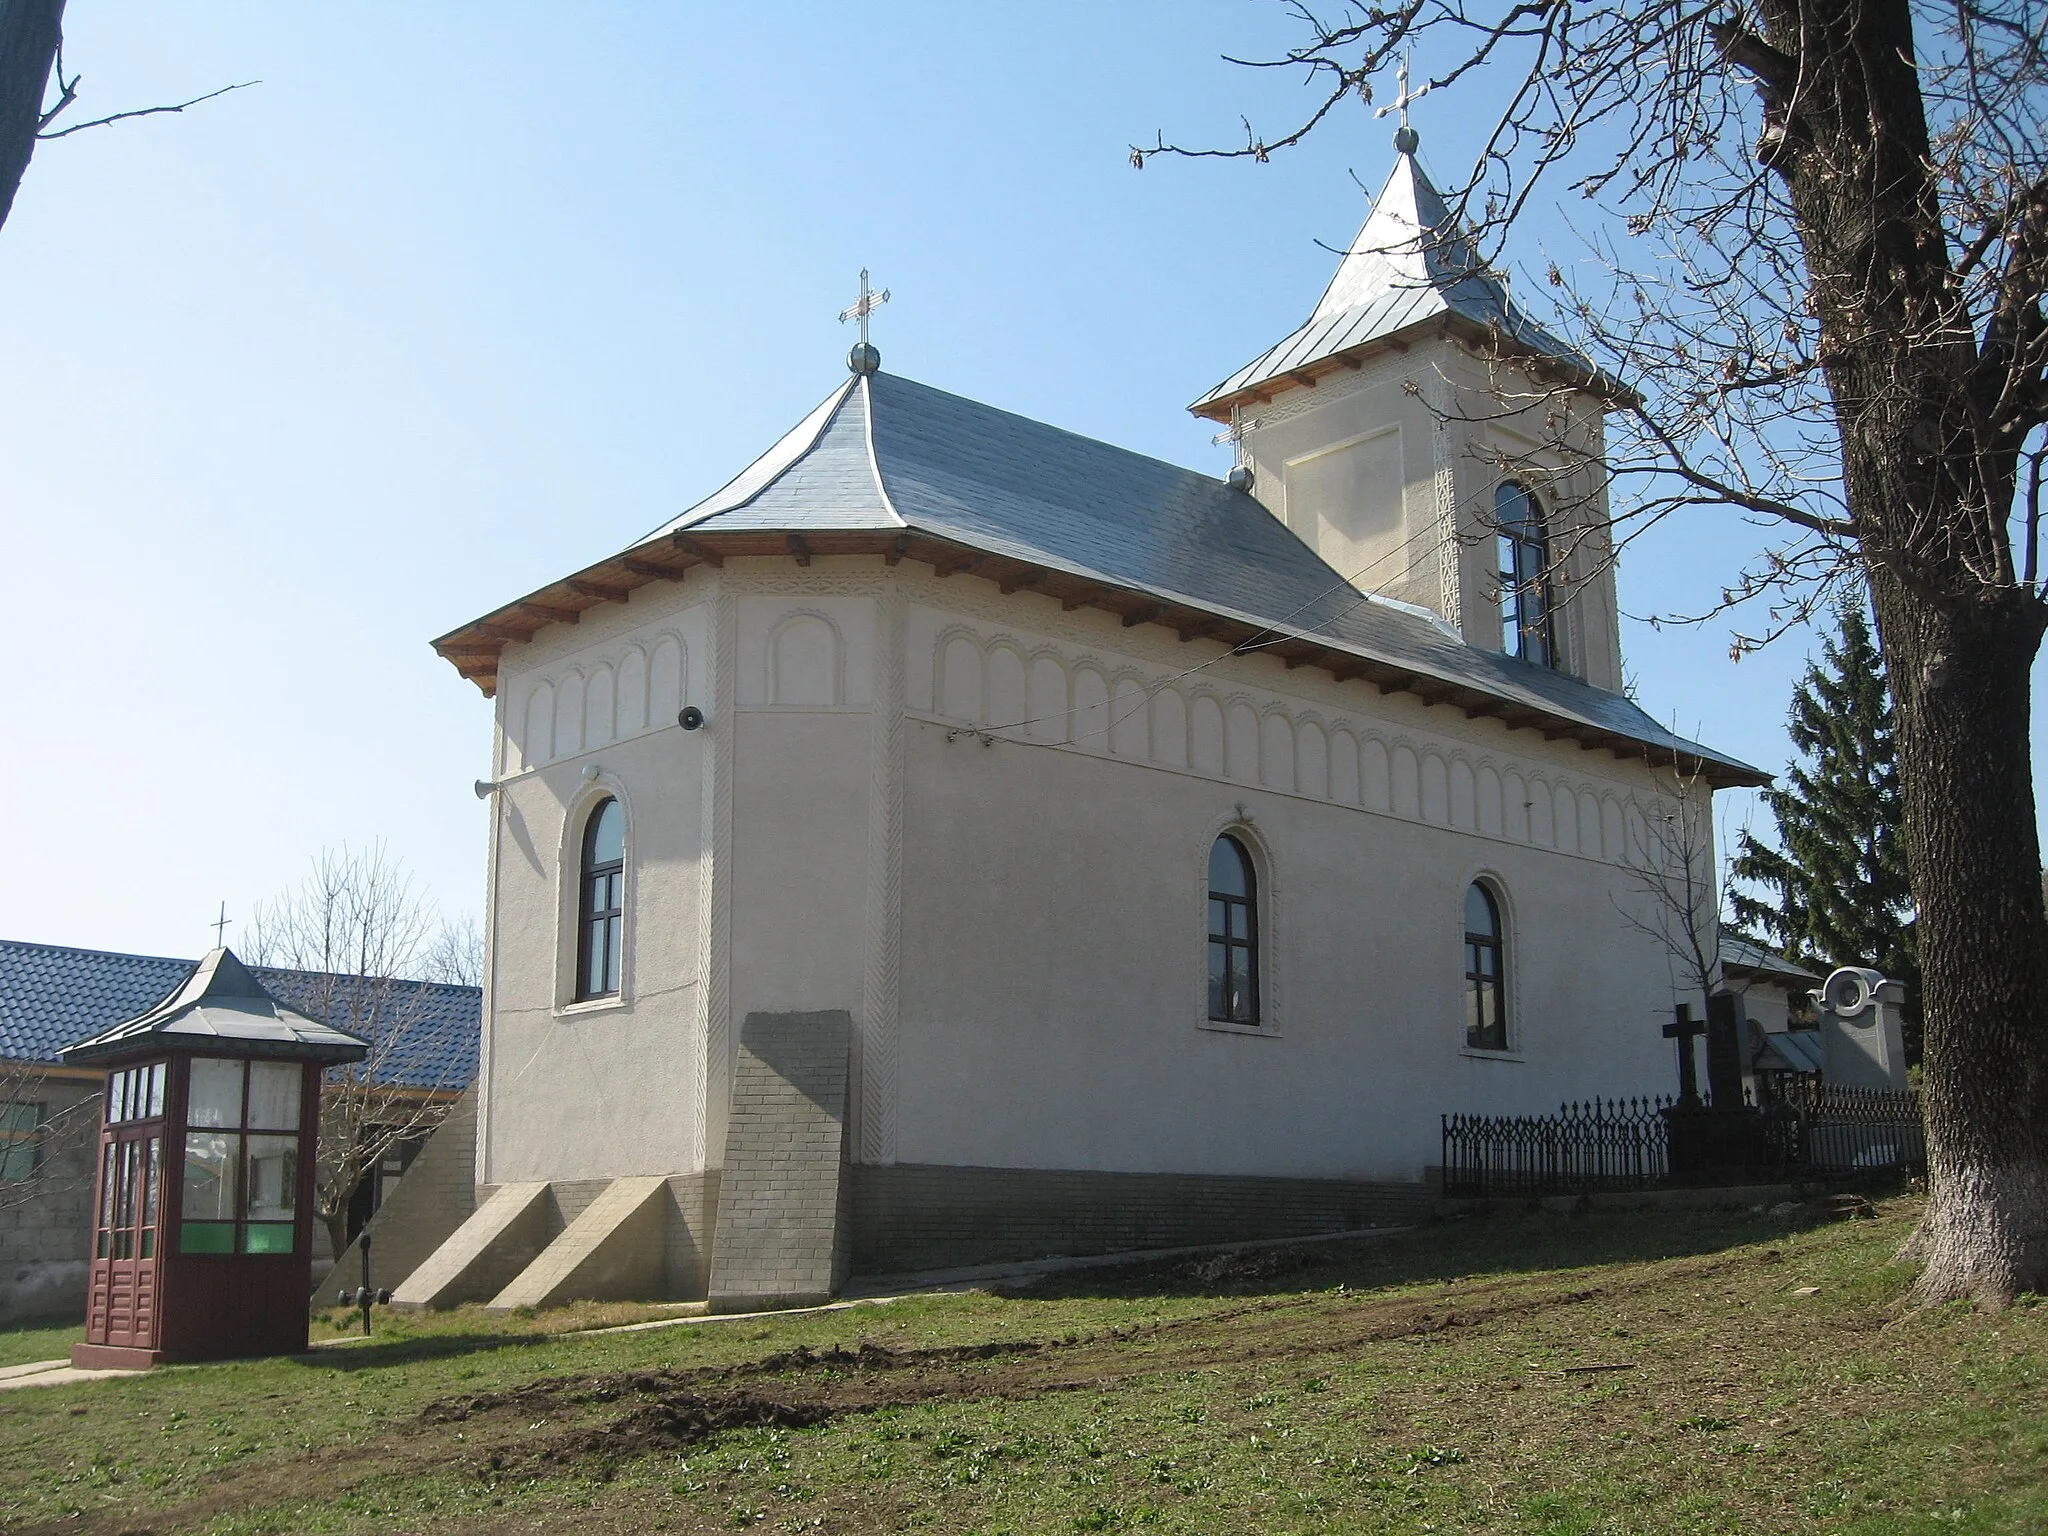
x=865 y=357
x=1406 y=139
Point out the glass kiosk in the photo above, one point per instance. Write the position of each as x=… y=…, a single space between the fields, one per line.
x=203 y=1216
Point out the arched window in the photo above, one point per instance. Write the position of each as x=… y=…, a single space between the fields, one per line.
x=603 y=916
x=1233 y=934
x=1486 y=1009
x=1527 y=628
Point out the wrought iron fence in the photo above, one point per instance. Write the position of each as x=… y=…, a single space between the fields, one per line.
x=1857 y=1130
x=1622 y=1144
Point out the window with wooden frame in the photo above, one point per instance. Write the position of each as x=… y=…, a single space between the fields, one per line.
x=1528 y=626
x=1486 y=1011
x=600 y=929
x=1233 y=934
x=131 y=1159
x=241 y=1177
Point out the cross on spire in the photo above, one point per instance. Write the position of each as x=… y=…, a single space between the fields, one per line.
x=868 y=302
x=220 y=926
x=1405 y=138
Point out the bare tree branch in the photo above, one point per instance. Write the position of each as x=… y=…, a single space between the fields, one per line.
x=116 y=117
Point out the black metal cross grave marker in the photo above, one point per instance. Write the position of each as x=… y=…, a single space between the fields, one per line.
x=1685 y=1029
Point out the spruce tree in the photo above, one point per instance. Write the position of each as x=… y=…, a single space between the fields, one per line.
x=1836 y=887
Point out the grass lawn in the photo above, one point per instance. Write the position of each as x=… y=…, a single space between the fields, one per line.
x=20 y=1346
x=1614 y=1372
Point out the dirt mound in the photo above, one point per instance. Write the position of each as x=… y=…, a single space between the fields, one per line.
x=671 y=1423
x=682 y=1408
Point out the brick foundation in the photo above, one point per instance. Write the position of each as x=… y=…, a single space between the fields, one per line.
x=910 y=1216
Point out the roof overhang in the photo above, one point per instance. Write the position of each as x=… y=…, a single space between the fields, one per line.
x=1489 y=342
x=475 y=649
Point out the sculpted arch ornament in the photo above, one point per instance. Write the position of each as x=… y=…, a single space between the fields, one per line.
x=1094 y=702
x=806 y=661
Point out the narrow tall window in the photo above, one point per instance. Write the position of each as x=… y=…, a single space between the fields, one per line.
x=1233 y=934
x=1527 y=628
x=603 y=902
x=1486 y=1016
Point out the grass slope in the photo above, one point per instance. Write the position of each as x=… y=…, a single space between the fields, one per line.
x=1532 y=1374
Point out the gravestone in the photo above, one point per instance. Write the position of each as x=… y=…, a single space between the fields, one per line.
x=1724 y=1050
x=1684 y=1028
x=1863 y=1044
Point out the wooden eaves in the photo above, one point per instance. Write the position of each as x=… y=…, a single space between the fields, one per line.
x=475 y=648
x=1488 y=342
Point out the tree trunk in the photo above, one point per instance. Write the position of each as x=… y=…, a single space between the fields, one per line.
x=336 y=1223
x=1929 y=479
x=1962 y=685
x=29 y=33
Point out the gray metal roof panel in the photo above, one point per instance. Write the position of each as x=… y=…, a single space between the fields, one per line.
x=1740 y=954
x=1793 y=1050
x=892 y=453
x=823 y=472
x=221 y=1002
x=1004 y=483
x=1410 y=261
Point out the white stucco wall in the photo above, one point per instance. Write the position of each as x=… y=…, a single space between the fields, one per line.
x=1388 y=471
x=1054 y=925
x=980 y=825
x=616 y=1086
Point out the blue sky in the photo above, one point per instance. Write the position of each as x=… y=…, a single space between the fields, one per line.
x=464 y=296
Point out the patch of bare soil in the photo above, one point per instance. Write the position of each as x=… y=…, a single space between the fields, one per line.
x=590 y=1424
x=802 y=1387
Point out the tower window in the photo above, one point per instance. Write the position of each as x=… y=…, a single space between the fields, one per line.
x=601 y=928
x=1527 y=625
x=1233 y=934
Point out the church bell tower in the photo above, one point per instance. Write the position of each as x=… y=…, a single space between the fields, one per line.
x=1434 y=444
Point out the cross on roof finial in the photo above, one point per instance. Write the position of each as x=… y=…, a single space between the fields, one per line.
x=864 y=358
x=220 y=926
x=1405 y=138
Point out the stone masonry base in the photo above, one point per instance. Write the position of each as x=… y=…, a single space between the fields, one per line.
x=909 y=1216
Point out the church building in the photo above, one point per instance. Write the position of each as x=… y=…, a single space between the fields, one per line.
x=959 y=840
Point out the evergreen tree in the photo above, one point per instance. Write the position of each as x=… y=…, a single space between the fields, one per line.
x=1836 y=888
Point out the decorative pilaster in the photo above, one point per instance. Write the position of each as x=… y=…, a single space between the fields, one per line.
x=714 y=904
x=1449 y=548
x=875 y=1046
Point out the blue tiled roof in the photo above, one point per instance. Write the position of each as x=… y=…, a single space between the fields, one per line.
x=423 y=1034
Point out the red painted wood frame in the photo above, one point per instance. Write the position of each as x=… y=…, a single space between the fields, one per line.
x=149 y=1301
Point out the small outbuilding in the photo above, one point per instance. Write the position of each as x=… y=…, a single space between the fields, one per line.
x=202 y=1240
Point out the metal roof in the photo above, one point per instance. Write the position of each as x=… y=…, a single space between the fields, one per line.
x=1739 y=954
x=221 y=1004
x=1792 y=1050
x=1410 y=264
x=423 y=1034
x=883 y=453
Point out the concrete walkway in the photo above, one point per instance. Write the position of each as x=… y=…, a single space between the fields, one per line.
x=51 y=1373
